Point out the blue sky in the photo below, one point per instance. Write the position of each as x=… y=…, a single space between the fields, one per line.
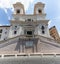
x=52 y=8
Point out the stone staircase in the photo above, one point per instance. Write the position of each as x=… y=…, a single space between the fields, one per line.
x=9 y=46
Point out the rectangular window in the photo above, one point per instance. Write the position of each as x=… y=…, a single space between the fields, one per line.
x=0 y=30
x=29 y=32
x=15 y=27
x=0 y=36
x=29 y=19
x=15 y=32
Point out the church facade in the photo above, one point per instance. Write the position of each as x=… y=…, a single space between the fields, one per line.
x=28 y=33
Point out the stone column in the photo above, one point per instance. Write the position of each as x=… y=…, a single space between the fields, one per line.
x=24 y=48
x=35 y=48
x=21 y=48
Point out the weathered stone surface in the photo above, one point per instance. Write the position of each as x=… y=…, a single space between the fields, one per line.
x=31 y=60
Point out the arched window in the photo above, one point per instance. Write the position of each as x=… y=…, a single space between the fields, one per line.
x=18 y=11
x=15 y=32
x=39 y=11
x=43 y=32
x=0 y=30
x=42 y=28
x=15 y=27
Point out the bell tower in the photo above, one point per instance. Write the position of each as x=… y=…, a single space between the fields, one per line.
x=16 y=18
x=18 y=8
x=39 y=8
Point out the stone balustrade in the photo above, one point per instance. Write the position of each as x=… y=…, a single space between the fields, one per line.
x=29 y=55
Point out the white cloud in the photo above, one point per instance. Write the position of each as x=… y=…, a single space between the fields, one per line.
x=1 y=25
x=5 y=4
x=26 y=3
x=5 y=10
x=8 y=3
x=56 y=18
x=49 y=23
